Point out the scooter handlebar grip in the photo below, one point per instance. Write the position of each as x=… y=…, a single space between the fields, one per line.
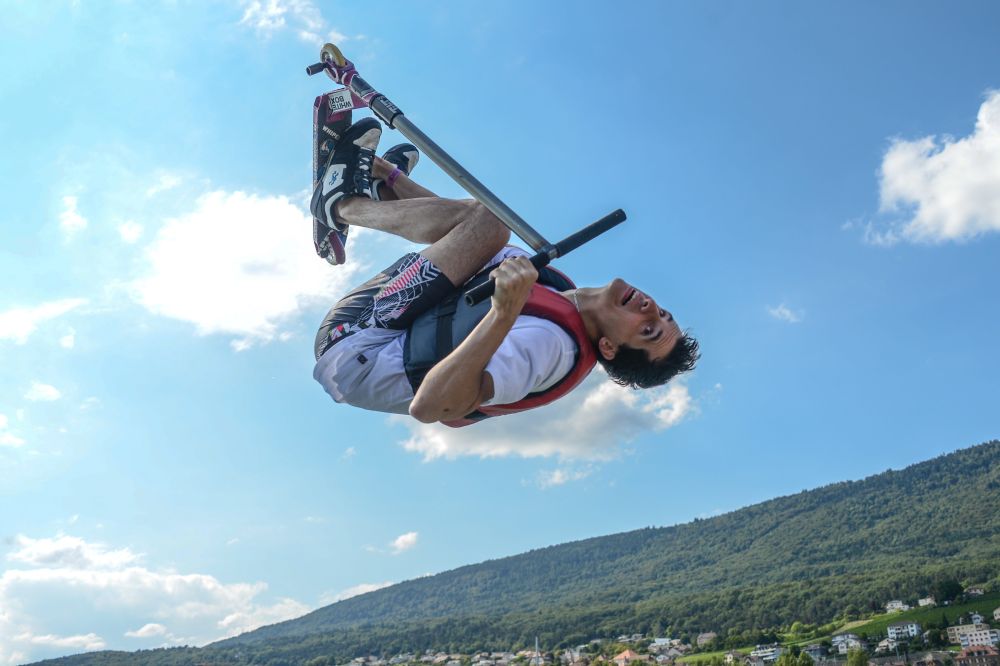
x=315 y=69
x=480 y=293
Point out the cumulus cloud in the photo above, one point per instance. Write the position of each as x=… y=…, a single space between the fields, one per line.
x=784 y=313
x=70 y=219
x=303 y=17
x=593 y=424
x=81 y=642
x=363 y=588
x=404 y=542
x=68 y=341
x=130 y=231
x=65 y=593
x=147 y=630
x=561 y=476
x=39 y=392
x=938 y=189
x=238 y=264
x=164 y=182
x=18 y=324
x=8 y=438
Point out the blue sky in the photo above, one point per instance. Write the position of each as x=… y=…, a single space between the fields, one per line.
x=813 y=188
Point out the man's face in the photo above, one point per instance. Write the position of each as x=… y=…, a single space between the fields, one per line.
x=628 y=316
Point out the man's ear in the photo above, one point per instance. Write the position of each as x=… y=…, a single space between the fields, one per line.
x=607 y=348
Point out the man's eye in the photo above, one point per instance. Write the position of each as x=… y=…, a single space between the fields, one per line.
x=663 y=313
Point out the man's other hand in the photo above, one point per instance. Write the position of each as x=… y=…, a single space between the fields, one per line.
x=514 y=278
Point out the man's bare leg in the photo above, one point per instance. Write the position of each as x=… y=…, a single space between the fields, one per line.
x=403 y=188
x=462 y=234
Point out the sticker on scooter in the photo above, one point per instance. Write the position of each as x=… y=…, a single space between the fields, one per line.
x=340 y=100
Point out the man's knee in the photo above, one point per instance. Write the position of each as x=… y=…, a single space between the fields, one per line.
x=494 y=232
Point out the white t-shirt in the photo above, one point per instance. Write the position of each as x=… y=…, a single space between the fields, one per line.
x=366 y=369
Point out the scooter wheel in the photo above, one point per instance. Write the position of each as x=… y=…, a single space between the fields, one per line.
x=331 y=52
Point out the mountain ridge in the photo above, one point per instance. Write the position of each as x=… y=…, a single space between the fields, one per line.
x=831 y=552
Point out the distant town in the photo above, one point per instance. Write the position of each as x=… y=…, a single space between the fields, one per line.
x=973 y=639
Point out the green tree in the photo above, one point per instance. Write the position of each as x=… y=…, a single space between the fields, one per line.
x=857 y=658
x=948 y=589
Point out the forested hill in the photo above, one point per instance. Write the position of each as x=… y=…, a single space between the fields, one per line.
x=814 y=556
x=810 y=556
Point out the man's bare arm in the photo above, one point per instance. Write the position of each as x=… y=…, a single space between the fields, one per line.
x=459 y=383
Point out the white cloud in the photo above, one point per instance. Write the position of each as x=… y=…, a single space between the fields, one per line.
x=68 y=341
x=238 y=264
x=364 y=588
x=303 y=17
x=165 y=181
x=404 y=542
x=592 y=424
x=349 y=453
x=147 y=630
x=783 y=313
x=64 y=593
x=943 y=189
x=68 y=551
x=39 y=392
x=70 y=219
x=130 y=231
x=8 y=438
x=562 y=476
x=83 y=642
x=18 y=324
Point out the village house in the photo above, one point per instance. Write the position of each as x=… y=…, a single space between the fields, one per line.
x=975 y=591
x=900 y=631
x=926 y=601
x=979 y=655
x=705 y=638
x=896 y=605
x=628 y=657
x=981 y=637
x=816 y=651
x=886 y=645
x=766 y=653
x=976 y=618
x=955 y=632
x=996 y=614
x=846 y=642
x=734 y=657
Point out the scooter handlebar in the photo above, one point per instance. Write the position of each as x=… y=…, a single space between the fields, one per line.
x=565 y=246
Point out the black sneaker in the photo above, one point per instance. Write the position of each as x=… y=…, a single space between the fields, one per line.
x=347 y=173
x=405 y=156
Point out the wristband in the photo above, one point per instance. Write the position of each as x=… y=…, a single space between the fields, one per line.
x=391 y=180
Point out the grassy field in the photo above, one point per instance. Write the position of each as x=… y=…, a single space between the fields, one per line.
x=877 y=626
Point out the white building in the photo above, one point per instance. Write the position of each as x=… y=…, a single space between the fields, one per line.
x=846 y=642
x=996 y=614
x=976 y=618
x=980 y=637
x=766 y=653
x=886 y=645
x=896 y=605
x=816 y=651
x=926 y=601
x=975 y=591
x=955 y=632
x=900 y=631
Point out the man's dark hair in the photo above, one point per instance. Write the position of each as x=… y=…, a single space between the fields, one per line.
x=631 y=367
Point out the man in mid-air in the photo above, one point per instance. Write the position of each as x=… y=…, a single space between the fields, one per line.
x=406 y=342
